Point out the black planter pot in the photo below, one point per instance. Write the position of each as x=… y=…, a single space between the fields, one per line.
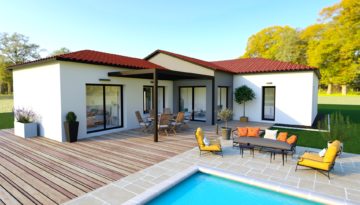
x=226 y=132
x=71 y=131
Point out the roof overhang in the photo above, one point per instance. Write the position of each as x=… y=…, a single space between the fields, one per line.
x=161 y=74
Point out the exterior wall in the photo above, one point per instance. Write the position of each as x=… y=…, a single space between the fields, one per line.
x=315 y=96
x=294 y=101
x=176 y=64
x=38 y=88
x=224 y=79
x=184 y=83
x=75 y=76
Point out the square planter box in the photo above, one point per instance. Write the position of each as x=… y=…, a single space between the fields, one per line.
x=25 y=130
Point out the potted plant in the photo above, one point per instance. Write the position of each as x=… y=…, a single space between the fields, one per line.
x=244 y=94
x=225 y=115
x=24 y=125
x=71 y=127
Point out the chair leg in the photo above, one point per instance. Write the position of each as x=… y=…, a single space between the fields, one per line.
x=328 y=174
x=296 y=167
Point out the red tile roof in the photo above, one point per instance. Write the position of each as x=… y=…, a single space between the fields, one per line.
x=99 y=58
x=196 y=61
x=260 y=65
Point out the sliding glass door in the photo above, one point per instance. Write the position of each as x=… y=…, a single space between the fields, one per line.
x=268 y=103
x=193 y=102
x=103 y=107
x=147 y=98
x=199 y=103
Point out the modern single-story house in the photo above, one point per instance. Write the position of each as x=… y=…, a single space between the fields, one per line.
x=105 y=90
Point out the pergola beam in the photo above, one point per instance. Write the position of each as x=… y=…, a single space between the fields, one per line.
x=160 y=74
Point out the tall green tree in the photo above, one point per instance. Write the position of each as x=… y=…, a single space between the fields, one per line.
x=14 y=49
x=277 y=43
x=335 y=47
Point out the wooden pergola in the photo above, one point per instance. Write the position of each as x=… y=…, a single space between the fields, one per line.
x=161 y=74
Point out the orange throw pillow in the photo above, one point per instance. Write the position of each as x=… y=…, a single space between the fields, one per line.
x=292 y=139
x=253 y=132
x=242 y=131
x=282 y=136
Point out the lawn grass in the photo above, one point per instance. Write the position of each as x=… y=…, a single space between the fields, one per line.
x=6 y=120
x=339 y=100
x=6 y=103
x=315 y=139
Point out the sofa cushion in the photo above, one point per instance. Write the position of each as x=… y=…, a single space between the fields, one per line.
x=199 y=137
x=330 y=154
x=214 y=147
x=282 y=136
x=253 y=131
x=270 y=134
x=292 y=139
x=242 y=131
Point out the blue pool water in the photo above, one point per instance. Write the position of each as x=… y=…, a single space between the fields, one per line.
x=202 y=188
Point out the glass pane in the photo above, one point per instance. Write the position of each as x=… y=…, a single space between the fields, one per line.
x=269 y=103
x=222 y=98
x=147 y=99
x=113 y=106
x=94 y=108
x=200 y=103
x=161 y=99
x=186 y=100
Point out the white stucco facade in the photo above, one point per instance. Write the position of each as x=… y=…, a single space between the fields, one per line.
x=295 y=96
x=55 y=89
x=39 y=89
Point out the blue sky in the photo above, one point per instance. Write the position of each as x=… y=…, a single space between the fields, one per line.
x=210 y=30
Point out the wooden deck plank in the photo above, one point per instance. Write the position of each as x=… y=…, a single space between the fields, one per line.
x=43 y=171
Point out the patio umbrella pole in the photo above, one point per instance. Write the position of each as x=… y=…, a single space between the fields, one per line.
x=155 y=106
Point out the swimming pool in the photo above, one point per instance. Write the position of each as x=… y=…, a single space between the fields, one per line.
x=203 y=188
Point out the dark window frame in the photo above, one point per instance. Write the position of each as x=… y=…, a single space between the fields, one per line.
x=193 y=101
x=227 y=95
x=263 y=103
x=152 y=91
x=104 y=106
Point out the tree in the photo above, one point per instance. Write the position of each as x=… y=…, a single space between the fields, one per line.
x=60 y=51
x=277 y=43
x=244 y=94
x=15 y=49
x=5 y=76
x=337 y=53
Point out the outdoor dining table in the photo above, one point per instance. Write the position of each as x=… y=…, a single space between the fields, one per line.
x=268 y=144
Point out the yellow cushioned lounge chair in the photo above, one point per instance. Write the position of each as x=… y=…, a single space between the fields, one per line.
x=214 y=147
x=314 y=161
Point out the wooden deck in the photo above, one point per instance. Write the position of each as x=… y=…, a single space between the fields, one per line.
x=43 y=171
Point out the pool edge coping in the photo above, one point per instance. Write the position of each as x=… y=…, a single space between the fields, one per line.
x=160 y=188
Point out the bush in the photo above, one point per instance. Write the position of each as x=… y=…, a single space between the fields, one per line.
x=71 y=117
x=24 y=115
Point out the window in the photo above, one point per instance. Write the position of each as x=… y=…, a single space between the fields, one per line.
x=222 y=100
x=147 y=98
x=104 y=109
x=268 y=103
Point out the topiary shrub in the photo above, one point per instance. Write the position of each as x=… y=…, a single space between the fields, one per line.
x=244 y=94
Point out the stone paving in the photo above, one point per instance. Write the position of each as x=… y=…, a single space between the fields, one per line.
x=344 y=183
